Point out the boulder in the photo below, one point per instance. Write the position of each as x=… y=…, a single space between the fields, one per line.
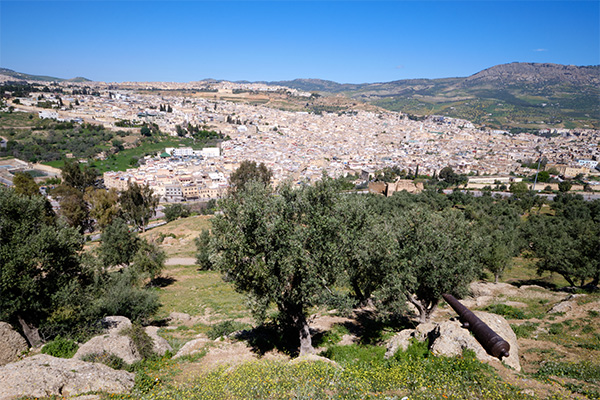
x=114 y=324
x=12 y=344
x=121 y=346
x=567 y=305
x=402 y=339
x=43 y=375
x=449 y=338
x=193 y=347
x=160 y=345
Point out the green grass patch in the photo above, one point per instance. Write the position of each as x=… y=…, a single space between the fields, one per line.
x=198 y=292
x=60 y=347
x=524 y=330
x=507 y=311
x=364 y=375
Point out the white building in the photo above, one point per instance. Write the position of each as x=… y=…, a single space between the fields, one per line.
x=591 y=164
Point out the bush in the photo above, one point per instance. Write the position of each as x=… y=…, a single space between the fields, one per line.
x=143 y=342
x=416 y=350
x=113 y=361
x=524 y=330
x=59 y=347
x=506 y=311
x=120 y=296
x=175 y=211
x=224 y=328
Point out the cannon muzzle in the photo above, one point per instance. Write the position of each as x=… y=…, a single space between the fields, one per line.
x=490 y=340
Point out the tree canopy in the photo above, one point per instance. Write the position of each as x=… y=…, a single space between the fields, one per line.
x=249 y=171
x=138 y=204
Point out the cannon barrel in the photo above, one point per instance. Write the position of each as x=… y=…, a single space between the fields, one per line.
x=490 y=340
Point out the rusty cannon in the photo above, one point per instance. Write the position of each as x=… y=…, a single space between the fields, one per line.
x=490 y=340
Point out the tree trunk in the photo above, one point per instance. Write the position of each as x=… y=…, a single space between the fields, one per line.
x=31 y=332
x=424 y=310
x=305 y=339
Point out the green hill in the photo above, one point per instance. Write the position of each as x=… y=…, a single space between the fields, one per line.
x=42 y=78
x=508 y=96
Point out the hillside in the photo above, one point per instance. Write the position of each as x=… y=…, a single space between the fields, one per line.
x=13 y=75
x=516 y=95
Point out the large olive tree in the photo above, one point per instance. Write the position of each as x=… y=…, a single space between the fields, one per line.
x=281 y=249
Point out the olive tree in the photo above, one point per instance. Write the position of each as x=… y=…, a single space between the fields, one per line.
x=38 y=257
x=281 y=249
x=438 y=254
x=138 y=204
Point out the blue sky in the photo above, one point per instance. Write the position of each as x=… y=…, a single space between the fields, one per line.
x=356 y=41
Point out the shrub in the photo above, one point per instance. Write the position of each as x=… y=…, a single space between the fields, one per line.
x=113 y=361
x=120 y=296
x=60 y=347
x=524 y=330
x=506 y=311
x=143 y=342
x=224 y=328
x=175 y=211
x=416 y=350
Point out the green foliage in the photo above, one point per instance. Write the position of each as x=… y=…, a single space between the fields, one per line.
x=415 y=350
x=38 y=256
x=224 y=328
x=148 y=261
x=103 y=205
x=567 y=243
x=106 y=358
x=584 y=371
x=143 y=343
x=506 y=311
x=247 y=172
x=119 y=294
x=138 y=204
x=203 y=255
x=281 y=250
x=518 y=188
x=525 y=330
x=118 y=245
x=25 y=185
x=364 y=375
x=60 y=347
x=175 y=211
x=564 y=186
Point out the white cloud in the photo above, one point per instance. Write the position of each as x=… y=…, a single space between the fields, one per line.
x=540 y=50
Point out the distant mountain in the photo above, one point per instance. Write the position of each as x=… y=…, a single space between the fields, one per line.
x=42 y=78
x=508 y=96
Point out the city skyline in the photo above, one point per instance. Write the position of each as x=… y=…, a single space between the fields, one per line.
x=347 y=42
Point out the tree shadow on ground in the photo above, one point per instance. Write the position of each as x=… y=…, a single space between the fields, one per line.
x=370 y=327
x=162 y=281
x=537 y=282
x=271 y=336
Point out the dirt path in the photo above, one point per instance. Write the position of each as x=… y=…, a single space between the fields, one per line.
x=181 y=261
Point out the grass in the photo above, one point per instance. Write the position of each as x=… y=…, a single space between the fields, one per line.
x=361 y=372
x=524 y=272
x=185 y=231
x=121 y=160
x=200 y=292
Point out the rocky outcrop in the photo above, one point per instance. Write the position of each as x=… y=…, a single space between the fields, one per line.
x=159 y=344
x=44 y=375
x=12 y=344
x=567 y=305
x=193 y=347
x=114 y=324
x=121 y=346
x=114 y=342
x=449 y=338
